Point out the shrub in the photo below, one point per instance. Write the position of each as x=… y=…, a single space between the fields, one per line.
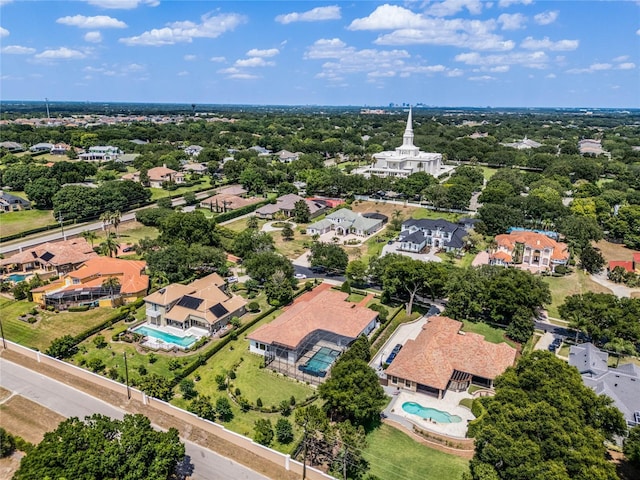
x=284 y=431
x=223 y=409
x=232 y=375
x=80 y=308
x=173 y=364
x=237 y=392
x=285 y=408
x=7 y=443
x=142 y=370
x=292 y=400
x=99 y=342
x=95 y=365
x=346 y=287
x=253 y=307
x=153 y=358
x=221 y=381
x=263 y=432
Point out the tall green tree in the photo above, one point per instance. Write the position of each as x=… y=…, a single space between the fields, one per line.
x=301 y=212
x=329 y=255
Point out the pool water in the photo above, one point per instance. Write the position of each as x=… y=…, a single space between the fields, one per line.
x=184 y=342
x=16 y=277
x=320 y=362
x=430 y=413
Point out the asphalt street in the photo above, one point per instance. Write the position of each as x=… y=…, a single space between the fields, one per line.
x=200 y=463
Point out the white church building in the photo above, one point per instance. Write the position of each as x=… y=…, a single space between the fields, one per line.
x=406 y=159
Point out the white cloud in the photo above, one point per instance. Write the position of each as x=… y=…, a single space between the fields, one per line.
x=450 y=7
x=4 y=32
x=189 y=58
x=621 y=58
x=4 y=2
x=530 y=43
x=17 y=50
x=186 y=31
x=537 y=60
x=123 y=4
x=271 y=52
x=97 y=22
x=508 y=3
x=551 y=75
x=217 y=59
x=115 y=70
x=93 y=37
x=546 y=18
x=62 y=53
x=455 y=72
x=243 y=76
x=638 y=32
x=594 y=67
x=314 y=15
x=626 y=66
x=183 y=73
x=500 y=69
x=253 y=62
x=482 y=78
x=512 y=21
x=410 y=28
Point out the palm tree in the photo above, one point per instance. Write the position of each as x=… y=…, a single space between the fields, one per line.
x=252 y=222
x=115 y=218
x=89 y=236
x=105 y=218
x=109 y=246
x=111 y=283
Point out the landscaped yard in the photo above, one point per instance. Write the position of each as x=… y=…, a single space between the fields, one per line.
x=50 y=326
x=562 y=287
x=23 y=220
x=129 y=233
x=393 y=455
x=406 y=211
x=491 y=334
x=157 y=193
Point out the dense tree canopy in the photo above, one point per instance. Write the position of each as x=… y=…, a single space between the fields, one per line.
x=329 y=255
x=544 y=423
x=99 y=447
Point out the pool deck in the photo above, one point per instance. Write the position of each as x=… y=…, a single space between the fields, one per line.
x=449 y=404
x=157 y=344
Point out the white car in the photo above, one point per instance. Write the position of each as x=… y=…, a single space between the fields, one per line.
x=301 y=276
x=232 y=279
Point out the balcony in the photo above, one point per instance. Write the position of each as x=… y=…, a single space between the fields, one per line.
x=153 y=313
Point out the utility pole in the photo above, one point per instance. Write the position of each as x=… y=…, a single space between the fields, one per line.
x=60 y=219
x=126 y=374
x=4 y=342
x=304 y=455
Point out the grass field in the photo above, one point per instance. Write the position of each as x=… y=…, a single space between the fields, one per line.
x=562 y=287
x=488 y=172
x=614 y=251
x=393 y=455
x=27 y=419
x=491 y=334
x=51 y=325
x=157 y=193
x=129 y=233
x=23 y=220
x=406 y=211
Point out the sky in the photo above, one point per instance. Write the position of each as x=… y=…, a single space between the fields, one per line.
x=445 y=53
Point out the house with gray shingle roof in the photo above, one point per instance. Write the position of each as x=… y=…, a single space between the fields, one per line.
x=345 y=222
x=621 y=384
x=11 y=203
x=419 y=234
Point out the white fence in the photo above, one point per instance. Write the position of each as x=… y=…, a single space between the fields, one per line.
x=212 y=428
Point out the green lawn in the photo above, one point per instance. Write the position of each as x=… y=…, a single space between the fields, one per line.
x=488 y=172
x=23 y=220
x=491 y=334
x=157 y=193
x=129 y=233
x=52 y=325
x=576 y=283
x=393 y=455
x=421 y=213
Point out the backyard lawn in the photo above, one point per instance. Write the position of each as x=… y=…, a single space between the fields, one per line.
x=23 y=220
x=157 y=193
x=129 y=233
x=50 y=326
x=562 y=287
x=491 y=334
x=393 y=455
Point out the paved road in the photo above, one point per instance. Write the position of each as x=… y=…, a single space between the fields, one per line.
x=200 y=463
x=71 y=231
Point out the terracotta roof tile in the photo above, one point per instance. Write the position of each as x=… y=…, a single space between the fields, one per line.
x=74 y=251
x=441 y=348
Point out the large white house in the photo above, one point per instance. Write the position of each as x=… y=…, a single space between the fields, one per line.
x=406 y=159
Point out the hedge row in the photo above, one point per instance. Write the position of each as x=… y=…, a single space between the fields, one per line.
x=478 y=409
x=238 y=212
x=384 y=326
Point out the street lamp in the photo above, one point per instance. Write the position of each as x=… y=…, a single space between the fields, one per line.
x=126 y=374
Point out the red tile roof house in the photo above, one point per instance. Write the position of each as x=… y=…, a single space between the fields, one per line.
x=85 y=285
x=320 y=318
x=443 y=357
x=159 y=175
x=628 y=266
x=530 y=250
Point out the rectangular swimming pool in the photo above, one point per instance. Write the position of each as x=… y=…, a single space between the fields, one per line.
x=320 y=363
x=184 y=342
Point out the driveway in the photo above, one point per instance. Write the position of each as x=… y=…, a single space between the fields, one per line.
x=268 y=227
x=425 y=257
x=618 y=289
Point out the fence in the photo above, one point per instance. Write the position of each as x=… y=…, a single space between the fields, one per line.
x=280 y=459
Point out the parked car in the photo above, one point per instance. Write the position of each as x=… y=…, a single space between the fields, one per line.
x=300 y=276
x=232 y=279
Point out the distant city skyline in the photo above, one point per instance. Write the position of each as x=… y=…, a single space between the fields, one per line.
x=503 y=53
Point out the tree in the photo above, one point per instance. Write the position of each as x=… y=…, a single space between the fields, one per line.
x=188 y=389
x=405 y=278
x=284 y=431
x=263 y=432
x=301 y=212
x=353 y=392
x=252 y=222
x=223 y=409
x=252 y=241
x=89 y=236
x=62 y=347
x=7 y=443
x=156 y=386
x=287 y=232
x=262 y=266
x=164 y=202
x=632 y=446
x=192 y=227
x=356 y=272
x=543 y=423
x=331 y=256
x=102 y=448
x=111 y=284
x=591 y=260
x=278 y=288
x=190 y=198
x=202 y=407
x=109 y=246
x=41 y=191
x=348 y=461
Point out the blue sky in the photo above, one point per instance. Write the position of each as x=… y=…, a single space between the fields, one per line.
x=528 y=53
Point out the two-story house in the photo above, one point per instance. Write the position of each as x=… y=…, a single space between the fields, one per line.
x=416 y=235
x=531 y=250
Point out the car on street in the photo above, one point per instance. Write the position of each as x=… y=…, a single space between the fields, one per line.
x=300 y=276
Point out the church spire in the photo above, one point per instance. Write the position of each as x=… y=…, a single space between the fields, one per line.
x=407 y=138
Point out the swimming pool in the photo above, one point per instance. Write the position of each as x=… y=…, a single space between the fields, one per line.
x=430 y=413
x=17 y=277
x=320 y=362
x=184 y=342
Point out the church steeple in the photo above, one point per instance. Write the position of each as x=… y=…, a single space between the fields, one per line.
x=407 y=138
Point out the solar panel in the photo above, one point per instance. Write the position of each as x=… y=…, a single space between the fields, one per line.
x=46 y=256
x=191 y=303
x=219 y=310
